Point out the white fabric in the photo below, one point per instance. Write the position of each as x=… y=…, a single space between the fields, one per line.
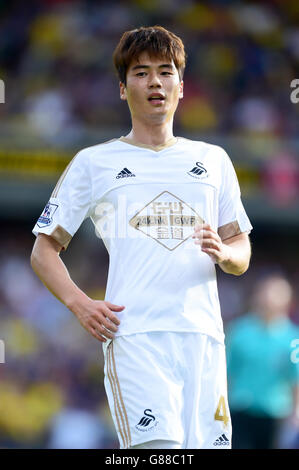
x=168 y=386
x=163 y=444
x=146 y=221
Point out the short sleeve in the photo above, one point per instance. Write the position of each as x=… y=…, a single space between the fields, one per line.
x=69 y=203
x=232 y=218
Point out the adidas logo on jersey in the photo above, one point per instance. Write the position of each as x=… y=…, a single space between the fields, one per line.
x=198 y=171
x=125 y=173
x=221 y=441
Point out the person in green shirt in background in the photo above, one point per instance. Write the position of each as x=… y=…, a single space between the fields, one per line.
x=263 y=373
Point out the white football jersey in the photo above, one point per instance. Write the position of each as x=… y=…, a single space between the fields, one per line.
x=144 y=203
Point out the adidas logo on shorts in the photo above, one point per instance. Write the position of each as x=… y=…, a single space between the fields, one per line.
x=221 y=441
x=125 y=173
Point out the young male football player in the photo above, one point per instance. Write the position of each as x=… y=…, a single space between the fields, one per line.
x=168 y=209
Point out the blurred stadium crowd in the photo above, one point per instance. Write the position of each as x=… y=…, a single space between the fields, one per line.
x=56 y=62
x=51 y=385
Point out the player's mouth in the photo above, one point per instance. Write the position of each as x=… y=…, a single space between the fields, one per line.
x=156 y=98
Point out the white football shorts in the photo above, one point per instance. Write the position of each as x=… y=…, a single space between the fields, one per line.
x=168 y=385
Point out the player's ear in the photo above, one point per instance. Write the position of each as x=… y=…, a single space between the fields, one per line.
x=122 y=91
x=181 y=91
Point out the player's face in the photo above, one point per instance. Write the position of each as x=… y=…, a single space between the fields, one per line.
x=153 y=89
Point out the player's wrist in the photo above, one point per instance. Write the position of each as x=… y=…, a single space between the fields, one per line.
x=75 y=300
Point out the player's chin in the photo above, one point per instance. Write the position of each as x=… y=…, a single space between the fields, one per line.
x=158 y=116
x=163 y=110
x=158 y=110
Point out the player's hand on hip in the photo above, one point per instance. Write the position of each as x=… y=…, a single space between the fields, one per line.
x=98 y=317
x=210 y=243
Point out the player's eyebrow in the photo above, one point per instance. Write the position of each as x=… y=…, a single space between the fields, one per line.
x=141 y=66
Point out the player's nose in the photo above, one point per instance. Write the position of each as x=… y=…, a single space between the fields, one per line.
x=154 y=81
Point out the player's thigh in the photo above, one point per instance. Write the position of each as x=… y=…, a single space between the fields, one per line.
x=217 y=419
x=144 y=389
x=207 y=417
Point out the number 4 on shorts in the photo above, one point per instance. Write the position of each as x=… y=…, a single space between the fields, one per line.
x=221 y=411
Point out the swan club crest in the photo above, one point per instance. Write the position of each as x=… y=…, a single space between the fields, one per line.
x=147 y=422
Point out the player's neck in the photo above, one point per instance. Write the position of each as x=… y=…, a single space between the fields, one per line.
x=151 y=135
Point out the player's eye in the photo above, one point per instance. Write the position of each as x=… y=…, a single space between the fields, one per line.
x=140 y=74
x=166 y=73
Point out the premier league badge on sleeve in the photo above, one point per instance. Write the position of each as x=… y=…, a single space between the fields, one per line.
x=46 y=217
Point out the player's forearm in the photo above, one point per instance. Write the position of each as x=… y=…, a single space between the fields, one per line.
x=51 y=270
x=238 y=258
x=96 y=316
